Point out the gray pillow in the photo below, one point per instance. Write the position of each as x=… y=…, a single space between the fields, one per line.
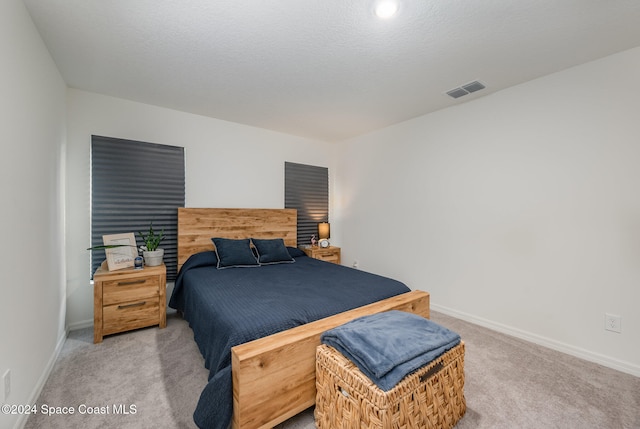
x=272 y=251
x=234 y=253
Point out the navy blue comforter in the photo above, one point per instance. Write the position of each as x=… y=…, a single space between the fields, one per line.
x=231 y=306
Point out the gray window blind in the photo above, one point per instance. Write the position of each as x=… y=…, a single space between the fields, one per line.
x=306 y=188
x=134 y=184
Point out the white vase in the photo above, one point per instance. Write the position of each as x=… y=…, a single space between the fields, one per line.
x=153 y=259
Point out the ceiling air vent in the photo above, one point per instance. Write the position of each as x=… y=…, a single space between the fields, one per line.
x=465 y=89
x=457 y=93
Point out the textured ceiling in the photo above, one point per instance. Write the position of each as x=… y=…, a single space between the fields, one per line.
x=323 y=69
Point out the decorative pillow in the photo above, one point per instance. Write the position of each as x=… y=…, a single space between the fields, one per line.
x=272 y=251
x=234 y=253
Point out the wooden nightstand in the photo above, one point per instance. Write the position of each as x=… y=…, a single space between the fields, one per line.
x=329 y=254
x=128 y=299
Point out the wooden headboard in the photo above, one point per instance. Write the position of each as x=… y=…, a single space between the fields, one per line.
x=197 y=226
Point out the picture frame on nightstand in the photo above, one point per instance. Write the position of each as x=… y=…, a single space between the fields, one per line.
x=123 y=256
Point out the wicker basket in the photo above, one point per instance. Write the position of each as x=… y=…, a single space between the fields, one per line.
x=432 y=397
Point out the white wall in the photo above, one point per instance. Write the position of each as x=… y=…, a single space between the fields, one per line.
x=32 y=120
x=228 y=165
x=519 y=210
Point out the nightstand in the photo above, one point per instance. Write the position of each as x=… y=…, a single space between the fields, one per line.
x=128 y=299
x=329 y=254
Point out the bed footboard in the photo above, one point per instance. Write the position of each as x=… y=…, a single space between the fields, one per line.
x=274 y=377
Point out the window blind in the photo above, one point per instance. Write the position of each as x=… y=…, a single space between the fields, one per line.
x=307 y=190
x=133 y=185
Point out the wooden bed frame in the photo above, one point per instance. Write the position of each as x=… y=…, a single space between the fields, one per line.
x=273 y=377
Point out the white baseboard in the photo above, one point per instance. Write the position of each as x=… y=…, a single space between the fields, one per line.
x=80 y=325
x=35 y=394
x=578 y=352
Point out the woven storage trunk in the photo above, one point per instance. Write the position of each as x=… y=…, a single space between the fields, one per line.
x=432 y=397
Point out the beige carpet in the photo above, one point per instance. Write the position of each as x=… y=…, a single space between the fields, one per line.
x=159 y=374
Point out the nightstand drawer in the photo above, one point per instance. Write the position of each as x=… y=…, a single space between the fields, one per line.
x=130 y=315
x=329 y=257
x=327 y=254
x=128 y=299
x=129 y=289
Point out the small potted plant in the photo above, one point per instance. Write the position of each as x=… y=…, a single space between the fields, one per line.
x=150 y=251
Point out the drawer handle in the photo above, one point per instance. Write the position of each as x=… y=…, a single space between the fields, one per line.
x=137 y=304
x=134 y=282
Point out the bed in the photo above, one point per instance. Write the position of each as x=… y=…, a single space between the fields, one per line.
x=258 y=327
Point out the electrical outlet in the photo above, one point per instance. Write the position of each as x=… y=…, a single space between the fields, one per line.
x=612 y=322
x=6 y=385
x=356 y=264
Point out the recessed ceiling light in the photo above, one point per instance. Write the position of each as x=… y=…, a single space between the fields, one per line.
x=386 y=9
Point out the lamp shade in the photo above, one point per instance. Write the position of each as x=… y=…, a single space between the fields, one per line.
x=324 y=230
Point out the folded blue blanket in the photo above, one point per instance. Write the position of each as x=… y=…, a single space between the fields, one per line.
x=388 y=346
